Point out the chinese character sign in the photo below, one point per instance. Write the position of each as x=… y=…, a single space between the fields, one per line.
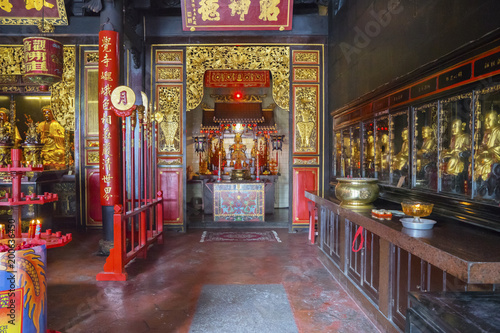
x=236 y=15
x=109 y=145
x=30 y=12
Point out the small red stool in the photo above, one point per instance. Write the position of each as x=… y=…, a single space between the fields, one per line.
x=313 y=218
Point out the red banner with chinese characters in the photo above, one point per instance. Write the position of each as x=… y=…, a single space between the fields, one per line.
x=218 y=15
x=109 y=145
x=237 y=78
x=43 y=60
x=31 y=12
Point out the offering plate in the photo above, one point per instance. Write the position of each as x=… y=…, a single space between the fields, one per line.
x=423 y=224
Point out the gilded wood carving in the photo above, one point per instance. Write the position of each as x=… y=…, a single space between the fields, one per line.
x=273 y=58
x=306 y=115
x=62 y=98
x=168 y=117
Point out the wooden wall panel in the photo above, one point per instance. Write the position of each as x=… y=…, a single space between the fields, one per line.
x=93 y=199
x=304 y=179
x=171 y=183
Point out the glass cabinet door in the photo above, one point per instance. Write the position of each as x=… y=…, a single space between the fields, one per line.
x=455 y=144
x=487 y=145
x=356 y=151
x=382 y=150
x=346 y=153
x=368 y=150
x=400 y=149
x=337 y=155
x=425 y=146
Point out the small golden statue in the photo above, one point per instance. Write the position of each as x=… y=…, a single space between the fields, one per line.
x=7 y=136
x=383 y=153
x=488 y=152
x=32 y=146
x=237 y=150
x=370 y=150
x=429 y=147
x=454 y=157
x=400 y=160
x=52 y=138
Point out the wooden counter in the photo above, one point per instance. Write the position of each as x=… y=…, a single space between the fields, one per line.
x=394 y=261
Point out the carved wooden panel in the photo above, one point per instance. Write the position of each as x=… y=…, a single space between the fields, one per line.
x=169 y=73
x=91 y=104
x=305 y=118
x=93 y=200
x=92 y=157
x=306 y=74
x=165 y=160
x=171 y=183
x=306 y=160
x=169 y=56
x=310 y=57
x=169 y=118
x=304 y=179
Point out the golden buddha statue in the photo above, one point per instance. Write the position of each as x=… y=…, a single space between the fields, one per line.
x=459 y=144
x=429 y=147
x=52 y=138
x=400 y=160
x=383 y=153
x=237 y=150
x=7 y=127
x=488 y=151
x=370 y=150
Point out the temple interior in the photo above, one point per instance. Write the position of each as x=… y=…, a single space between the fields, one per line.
x=243 y=166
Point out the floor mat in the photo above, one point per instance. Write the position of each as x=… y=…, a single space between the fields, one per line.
x=243 y=309
x=240 y=236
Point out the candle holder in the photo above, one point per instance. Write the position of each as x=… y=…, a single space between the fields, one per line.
x=417 y=209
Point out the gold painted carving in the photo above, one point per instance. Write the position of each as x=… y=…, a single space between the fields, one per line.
x=208 y=10
x=306 y=57
x=62 y=98
x=174 y=57
x=169 y=161
x=269 y=10
x=306 y=161
x=239 y=7
x=273 y=58
x=169 y=74
x=11 y=60
x=38 y=16
x=305 y=118
x=169 y=115
x=306 y=74
x=92 y=57
x=93 y=157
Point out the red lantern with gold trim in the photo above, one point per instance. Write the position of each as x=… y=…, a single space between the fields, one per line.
x=43 y=61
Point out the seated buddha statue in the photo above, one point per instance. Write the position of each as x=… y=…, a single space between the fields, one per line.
x=400 y=160
x=382 y=162
x=237 y=150
x=429 y=147
x=52 y=138
x=370 y=151
x=488 y=151
x=453 y=157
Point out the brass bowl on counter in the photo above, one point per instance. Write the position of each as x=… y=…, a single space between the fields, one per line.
x=357 y=193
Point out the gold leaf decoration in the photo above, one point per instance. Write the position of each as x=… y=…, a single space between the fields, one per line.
x=169 y=103
x=62 y=98
x=273 y=58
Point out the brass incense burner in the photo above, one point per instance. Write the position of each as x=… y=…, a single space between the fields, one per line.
x=357 y=193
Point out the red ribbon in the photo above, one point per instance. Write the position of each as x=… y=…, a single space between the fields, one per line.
x=359 y=233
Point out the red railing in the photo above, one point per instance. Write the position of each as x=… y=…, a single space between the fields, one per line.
x=138 y=221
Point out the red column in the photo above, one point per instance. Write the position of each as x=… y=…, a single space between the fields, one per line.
x=109 y=142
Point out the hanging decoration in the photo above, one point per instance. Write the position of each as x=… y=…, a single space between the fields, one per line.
x=43 y=61
x=33 y=12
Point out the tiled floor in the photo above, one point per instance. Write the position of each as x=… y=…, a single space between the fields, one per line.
x=162 y=291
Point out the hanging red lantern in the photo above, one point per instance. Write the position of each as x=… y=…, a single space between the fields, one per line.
x=43 y=61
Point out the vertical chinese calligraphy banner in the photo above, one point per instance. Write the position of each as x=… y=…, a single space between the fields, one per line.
x=109 y=145
x=218 y=15
x=31 y=12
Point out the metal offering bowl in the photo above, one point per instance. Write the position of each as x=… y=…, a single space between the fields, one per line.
x=356 y=193
x=417 y=209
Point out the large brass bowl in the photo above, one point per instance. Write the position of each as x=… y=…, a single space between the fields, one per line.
x=356 y=193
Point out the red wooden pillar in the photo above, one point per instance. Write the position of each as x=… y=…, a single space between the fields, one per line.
x=109 y=142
